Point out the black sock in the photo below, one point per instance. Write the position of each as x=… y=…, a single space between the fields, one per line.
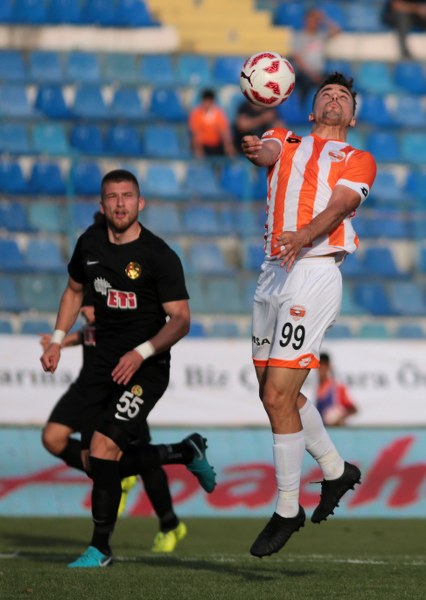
x=157 y=488
x=139 y=458
x=71 y=454
x=106 y=496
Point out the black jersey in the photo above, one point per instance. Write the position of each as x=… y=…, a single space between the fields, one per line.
x=129 y=283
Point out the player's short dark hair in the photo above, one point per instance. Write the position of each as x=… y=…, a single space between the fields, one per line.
x=117 y=176
x=324 y=358
x=208 y=94
x=339 y=79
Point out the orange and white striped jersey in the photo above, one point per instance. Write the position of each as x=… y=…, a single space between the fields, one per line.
x=301 y=182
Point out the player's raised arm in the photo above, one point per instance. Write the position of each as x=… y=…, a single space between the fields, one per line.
x=260 y=152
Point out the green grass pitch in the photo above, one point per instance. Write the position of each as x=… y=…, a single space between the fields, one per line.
x=341 y=559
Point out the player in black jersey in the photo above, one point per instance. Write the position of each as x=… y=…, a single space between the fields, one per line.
x=141 y=310
x=66 y=419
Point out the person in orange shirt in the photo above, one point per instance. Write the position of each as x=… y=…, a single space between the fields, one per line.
x=210 y=128
x=333 y=400
x=316 y=183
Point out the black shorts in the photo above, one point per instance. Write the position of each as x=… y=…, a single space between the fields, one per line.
x=69 y=409
x=120 y=412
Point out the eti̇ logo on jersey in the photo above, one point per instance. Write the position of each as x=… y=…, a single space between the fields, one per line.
x=297 y=312
x=133 y=270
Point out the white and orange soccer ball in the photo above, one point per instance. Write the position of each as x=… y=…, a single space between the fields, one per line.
x=267 y=79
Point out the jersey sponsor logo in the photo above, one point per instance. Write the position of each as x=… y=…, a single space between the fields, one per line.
x=297 y=312
x=133 y=270
x=101 y=285
x=304 y=362
x=260 y=341
x=293 y=140
x=336 y=155
x=89 y=263
x=137 y=390
x=121 y=300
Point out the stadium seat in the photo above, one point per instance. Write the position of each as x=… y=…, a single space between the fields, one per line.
x=208 y=258
x=13 y=217
x=12 y=65
x=338 y=331
x=45 y=66
x=83 y=213
x=89 y=103
x=134 y=13
x=375 y=78
x=10 y=300
x=353 y=266
x=193 y=70
x=197 y=292
x=336 y=12
x=339 y=65
x=35 y=326
x=413 y=148
x=362 y=18
x=410 y=76
x=29 y=12
x=236 y=180
x=386 y=189
x=407 y=299
x=224 y=329
x=376 y=331
x=123 y=140
x=374 y=110
x=224 y=295
x=44 y=255
x=161 y=141
x=14 y=102
x=6 y=327
x=87 y=139
x=247 y=221
x=161 y=182
x=197 y=330
x=6 y=11
x=11 y=256
x=51 y=102
x=227 y=69
x=379 y=261
x=14 y=139
x=349 y=305
x=12 y=179
x=415 y=186
x=166 y=104
x=253 y=255
x=50 y=139
x=373 y=298
x=201 y=181
x=127 y=104
x=292 y=111
x=163 y=219
x=120 y=67
x=289 y=14
x=157 y=70
x=384 y=146
x=82 y=67
x=64 y=12
x=201 y=220
x=391 y=225
x=39 y=292
x=99 y=12
x=46 y=178
x=410 y=331
x=47 y=216
x=421 y=260
x=86 y=178
x=410 y=111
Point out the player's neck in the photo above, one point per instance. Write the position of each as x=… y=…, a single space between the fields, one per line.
x=124 y=237
x=329 y=132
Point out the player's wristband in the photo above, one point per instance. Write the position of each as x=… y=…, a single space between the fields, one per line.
x=145 y=350
x=58 y=337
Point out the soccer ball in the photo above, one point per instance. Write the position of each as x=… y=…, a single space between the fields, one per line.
x=267 y=79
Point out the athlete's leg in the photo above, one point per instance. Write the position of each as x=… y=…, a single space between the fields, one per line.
x=57 y=440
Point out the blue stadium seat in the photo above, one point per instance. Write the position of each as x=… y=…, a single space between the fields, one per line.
x=289 y=14
x=372 y=297
x=247 y=221
x=12 y=65
x=375 y=78
x=349 y=305
x=14 y=102
x=64 y=12
x=46 y=178
x=39 y=292
x=379 y=261
x=339 y=331
x=51 y=102
x=134 y=13
x=162 y=219
x=253 y=255
x=161 y=182
x=14 y=139
x=83 y=213
x=407 y=299
x=89 y=103
x=386 y=189
x=50 y=139
x=235 y=179
x=47 y=216
x=44 y=255
x=336 y=12
x=374 y=110
x=82 y=67
x=392 y=225
x=410 y=331
x=410 y=111
x=127 y=104
x=99 y=12
x=166 y=104
x=421 y=260
x=353 y=266
x=415 y=186
x=161 y=141
x=197 y=330
x=29 y=12
x=227 y=69
x=201 y=220
x=202 y=182
x=45 y=66
x=120 y=67
x=410 y=76
x=193 y=70
x=374 y=331
x=413 y=148
x=13 y=217
x=87 y=138
x=339 y=65
x=208 y=258
x=9 y=295
x=292 y=112
x=12 y=179
x=196 y=287
x=6 y=11
x=35 y=326
x=224 y=295
x=362 y=18
x=86 y=178
x=224 y=329
x=384 y=146
x=11 y=256
x=157 y=70
x=6 y=327
x=123 y=140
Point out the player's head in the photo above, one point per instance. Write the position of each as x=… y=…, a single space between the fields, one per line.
x=120 y=199
x=334 y=101
x=324 y=366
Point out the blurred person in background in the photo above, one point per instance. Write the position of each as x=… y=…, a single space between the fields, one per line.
x=308 y=51
x=404 y=17
x=333 y=399
x=253 y=120
x=210 y=128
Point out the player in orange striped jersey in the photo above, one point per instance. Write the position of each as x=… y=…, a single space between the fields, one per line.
x=315 y=185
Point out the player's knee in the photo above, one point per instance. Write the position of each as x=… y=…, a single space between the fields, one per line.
x=53 y=441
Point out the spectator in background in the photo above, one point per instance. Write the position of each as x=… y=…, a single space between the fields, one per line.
x=403 y=17
x=253 y=120
x=333 y=401
x=309 y=50
x=209 y=128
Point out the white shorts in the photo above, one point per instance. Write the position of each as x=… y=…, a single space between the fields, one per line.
x=292 y=311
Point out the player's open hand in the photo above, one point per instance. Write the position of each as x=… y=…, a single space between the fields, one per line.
x=127 y=366
x=293 y=242
x=50 y=358
x=251 y=146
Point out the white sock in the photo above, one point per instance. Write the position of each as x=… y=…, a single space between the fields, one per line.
x=319 y=444
x=288 y=457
